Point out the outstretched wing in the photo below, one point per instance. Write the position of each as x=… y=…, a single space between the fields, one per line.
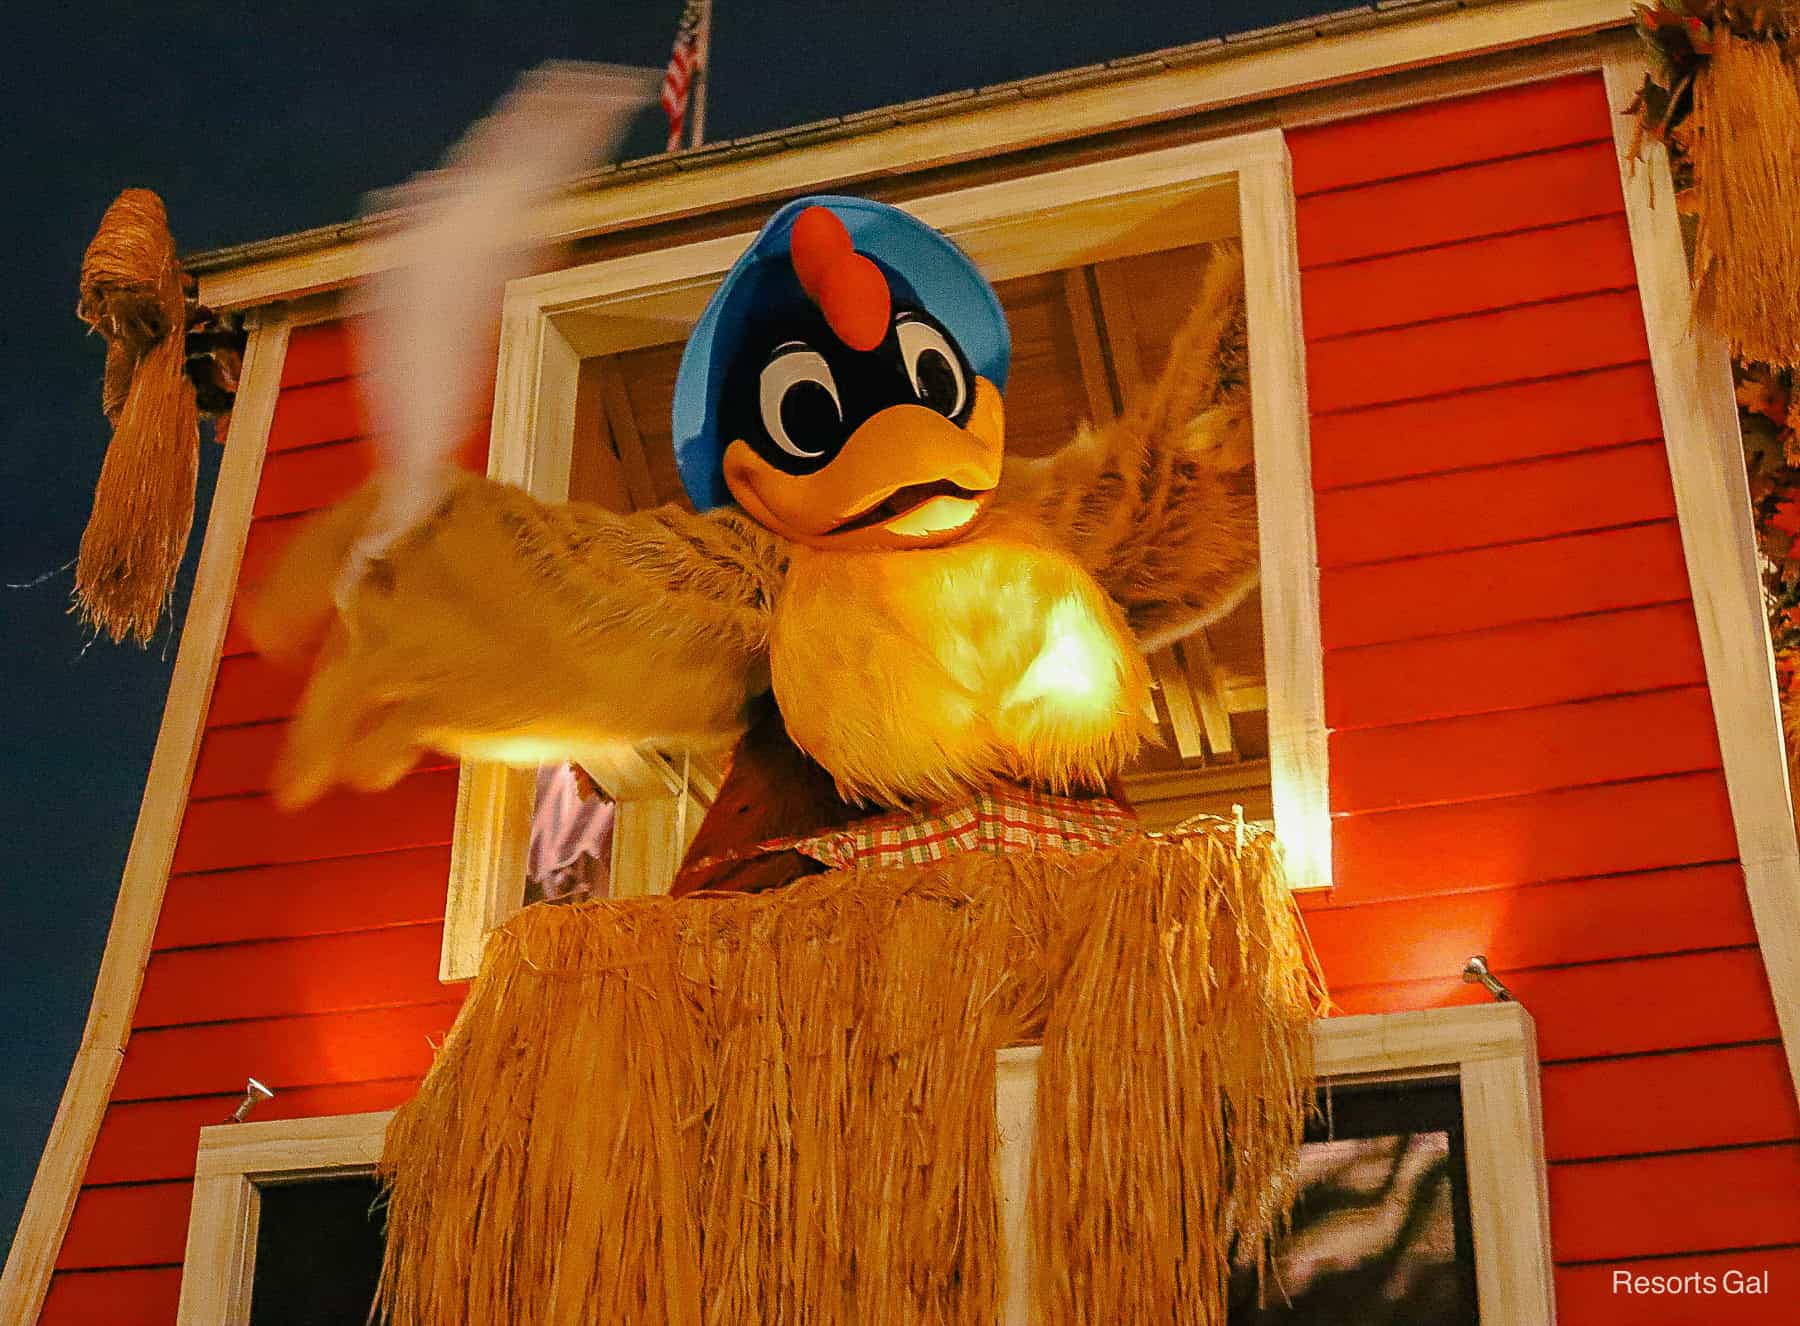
x=464 y=615
x=1159 y=504
x=502 y=628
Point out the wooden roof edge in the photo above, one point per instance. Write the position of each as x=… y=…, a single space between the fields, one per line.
x=1067 y=105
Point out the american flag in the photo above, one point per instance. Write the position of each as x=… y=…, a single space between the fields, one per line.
x=684 y=62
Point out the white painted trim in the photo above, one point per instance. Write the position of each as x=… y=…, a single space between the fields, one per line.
x=1127 y=100
x=1712 y=498
x=234 y=1161
x=89 y=1087
x=1469 y=75
x=1293 y=648
x=490 y=848
x=1492 y=1051
x=1046 y=221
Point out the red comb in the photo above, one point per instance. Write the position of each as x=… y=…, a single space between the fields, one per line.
x=849 y=289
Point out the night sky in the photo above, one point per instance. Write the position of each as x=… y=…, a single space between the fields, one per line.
x=254 y=121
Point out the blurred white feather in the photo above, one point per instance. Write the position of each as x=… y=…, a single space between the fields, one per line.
x=423 y=330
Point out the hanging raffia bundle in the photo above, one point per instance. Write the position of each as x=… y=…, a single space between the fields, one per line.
x=1743 y=138
x=131 y=293
x=779 y=1108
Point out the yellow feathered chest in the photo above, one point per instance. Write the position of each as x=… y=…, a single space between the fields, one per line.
x=914 y=675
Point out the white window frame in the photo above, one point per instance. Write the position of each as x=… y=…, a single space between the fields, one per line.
x=1035 y=223
x=1491 y=1051
x=235 y=1162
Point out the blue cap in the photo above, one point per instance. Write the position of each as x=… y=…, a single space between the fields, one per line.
x=919 y=263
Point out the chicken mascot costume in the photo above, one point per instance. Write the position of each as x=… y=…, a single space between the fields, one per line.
x=769 y=1097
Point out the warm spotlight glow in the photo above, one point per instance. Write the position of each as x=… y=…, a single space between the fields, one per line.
x=518 y=751
x=1303 y=824
x=528 y=750
x=1075 y=668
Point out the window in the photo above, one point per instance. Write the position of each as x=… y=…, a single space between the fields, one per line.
x=306 y=1225
x=1439 y=1110
x=1091 y=262
x=1381 y=1230
x=273 y=1202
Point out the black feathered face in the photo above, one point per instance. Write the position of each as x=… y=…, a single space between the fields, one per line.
x=796 y=393
x=895 y=446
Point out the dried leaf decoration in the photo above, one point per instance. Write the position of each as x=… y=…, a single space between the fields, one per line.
x=1744 y=138
x=1724 y=98
x=132 y=294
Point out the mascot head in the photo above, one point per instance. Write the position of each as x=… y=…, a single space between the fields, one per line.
x=843 y=385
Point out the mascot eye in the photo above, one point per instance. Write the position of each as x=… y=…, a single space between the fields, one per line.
x=933 y=366
x=799 y=400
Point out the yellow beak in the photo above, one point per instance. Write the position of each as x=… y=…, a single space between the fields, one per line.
x=907 y=478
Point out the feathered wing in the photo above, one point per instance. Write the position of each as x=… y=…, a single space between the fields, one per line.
x=504 y=628
x=1159 y=505
x=462 y=615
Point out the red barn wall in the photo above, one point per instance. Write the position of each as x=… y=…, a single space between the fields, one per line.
x=301 y=949
x=1523 y=755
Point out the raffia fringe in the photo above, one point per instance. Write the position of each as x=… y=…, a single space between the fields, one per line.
x=1744 y=140
x=144 y=501
x=780 y=1108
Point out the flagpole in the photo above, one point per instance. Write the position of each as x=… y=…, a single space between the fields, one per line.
x=702 y=76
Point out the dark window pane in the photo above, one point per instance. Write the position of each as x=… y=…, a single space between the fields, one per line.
x=1381 y=1232
x=318 y=1253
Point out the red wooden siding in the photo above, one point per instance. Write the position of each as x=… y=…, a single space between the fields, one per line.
x=1568 y=414
x=301 y=949
x=1483 y=588
x=1523 y=756
x=307 y=1050
x=116 y=1298
x=144 y=1141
